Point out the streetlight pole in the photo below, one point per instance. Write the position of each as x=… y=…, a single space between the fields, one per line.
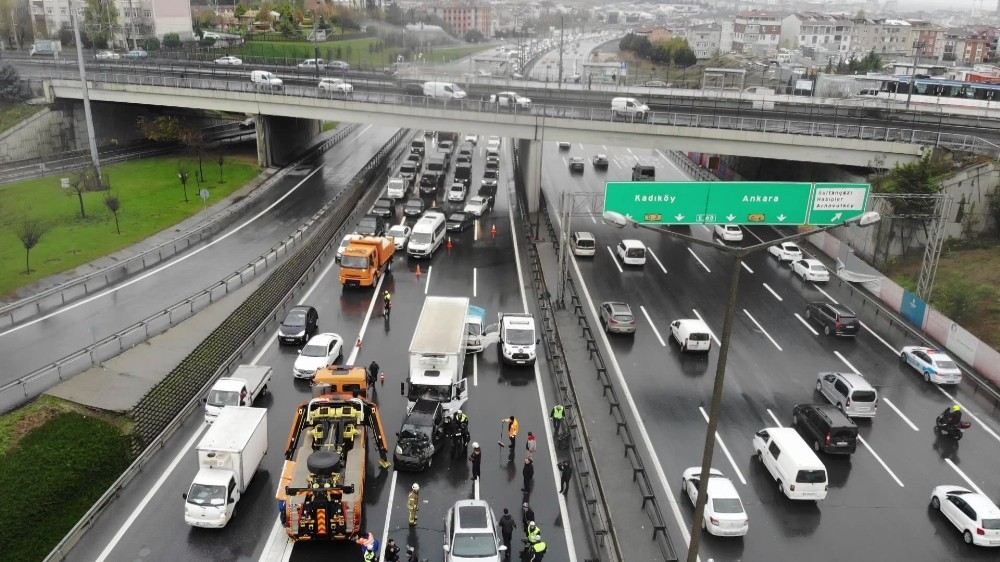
x=913 y=72
x=86 y=92
x=562 y=35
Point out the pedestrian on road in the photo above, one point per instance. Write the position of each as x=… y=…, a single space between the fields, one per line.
x=527 y=514
x=373 y=370
x=411 y=553
x=507 y=526
x=538 y=551
x=513 y=427
x=413 y=503
x=533 y=532
x=477 y=458
x=528 y=472
x=565 y=473
x=557 y=416
x=531 y=445
x=391 y=551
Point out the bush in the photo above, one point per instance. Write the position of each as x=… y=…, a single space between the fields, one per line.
x=12 y=88
x=171 y=41
x=152 y=44
x=960 y=299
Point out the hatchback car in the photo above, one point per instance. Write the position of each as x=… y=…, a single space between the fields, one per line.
x=457 y=192
x=135 y=54
x=490 y=178
x=849 y=392
x=478 y=206
x=338 y=65
x=935 y=366
x=974 y=515
x=600 y=162
x=729 y=232
x=107 y=55
x=617 y=318
x=312 y=64
x=458 y=222
x=470 y=533
x=576 y=164
x=825 y=428
x=371 y=225
x=321 y=350
x=429 y=182
x=383 y=208
x=583 y=244
x=343 y=244
x=413 y=207
x=811 y=270
x=724 y=512
x=298 y=326
x=400 y=234
x=835 y=319
x=786 y=251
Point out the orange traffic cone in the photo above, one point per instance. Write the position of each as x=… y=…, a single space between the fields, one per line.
x=418 y=271
x=493 y=230
x=450 y=245
x=358 y=344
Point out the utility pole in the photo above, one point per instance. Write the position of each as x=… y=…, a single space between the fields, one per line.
x=562 y=35
x=913 y=72
x=86 y=93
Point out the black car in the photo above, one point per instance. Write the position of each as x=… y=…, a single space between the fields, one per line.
x=487 y=190
x=458 y=222
x=834 y=318
x=371 y=225
x=413 y=207
x=383 y=208
x=825 y=428
x=600 y=162
x=408 y=171
x=420 y=436
x=299 y=325
x=576 y=165
x=641 y=172
x=465 y=150
x=463 y=159
x=429 y=183
x=463 y=172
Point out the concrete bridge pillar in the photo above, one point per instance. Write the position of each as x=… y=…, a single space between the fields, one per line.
x=281 y=139
x=530 y=154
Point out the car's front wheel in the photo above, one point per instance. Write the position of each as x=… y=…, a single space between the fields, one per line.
x=935 y=503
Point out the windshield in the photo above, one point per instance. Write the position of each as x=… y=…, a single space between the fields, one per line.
x=407 y=169
x=474 y=545
x=355 y=262
x=585 y=243
x=727 y=505
x=409 y=431
x=223 y=398
x=206 y=495
x=791 y=248
x=516 y=336
x=437 y=393
x=397 y=232
x=945 y=364
x=421 y=238
x=490 y=174
x=863 y=396
x=314 y=350
x=473 y=329
x=295 y=318
x=435 y=166
x=811 y=476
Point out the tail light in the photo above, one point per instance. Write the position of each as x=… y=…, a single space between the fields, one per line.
x=611 y=320
x=980 y=531
x=848 y=405
x=827 y=438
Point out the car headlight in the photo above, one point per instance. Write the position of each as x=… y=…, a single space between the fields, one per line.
x=399 y=450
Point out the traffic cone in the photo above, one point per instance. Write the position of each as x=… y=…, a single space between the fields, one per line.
x=493 y=230
x=381 y=378
x=450 y=245
x=418 y=271
x=357 y=344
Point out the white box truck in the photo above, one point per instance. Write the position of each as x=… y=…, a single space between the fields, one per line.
x=437 y=354
x=228 y=457
x=247 y=384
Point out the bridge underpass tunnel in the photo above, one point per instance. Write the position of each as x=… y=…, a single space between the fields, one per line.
x=281 y=139
x=530 y=156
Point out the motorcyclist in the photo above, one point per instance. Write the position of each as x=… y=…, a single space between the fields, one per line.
x=951 y=417
x=386 y=303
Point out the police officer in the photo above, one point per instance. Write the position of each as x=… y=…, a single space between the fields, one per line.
x=391 y=551
x=449 y=428
x=476 y=458
x=538 y=551
x=413 y=503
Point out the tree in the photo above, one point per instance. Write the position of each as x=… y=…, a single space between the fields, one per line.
x=29 y=232
x=473 y=36
x=161 y=129
x=194 y=139
x=12 y=88
x=100 y=18
x=183 y=174
x=221 y=160
x=151 y=44
x=684 y=56
x=114 y=205
x=171 y=41
x=86 y=180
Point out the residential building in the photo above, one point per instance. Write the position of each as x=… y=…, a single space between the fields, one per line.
x=137 y=19
x=654 y=34
x=756 y=33
x=928 y=39
x=884 y=36
x=705 y=39
x=954 y=46
x=978 y=47
x=461 y=17
x=817 y=31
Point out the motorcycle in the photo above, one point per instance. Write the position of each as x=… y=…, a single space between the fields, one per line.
x=951 y=430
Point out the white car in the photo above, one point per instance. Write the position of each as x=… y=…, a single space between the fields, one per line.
x=724 y=513
x=338 y=65
x=493 y=143
x=811 y=270
x=400 y=234
x=974 y=515
x=395 y=188
x=107 y=55
x=457 y=192
x=335 y=86
x=229 y=60
x=321 y=350
x=936 y=367
x=729 y=232
x=343 y=244
x=471 y=139
x=786 y=251
x=470 y=533
x=477 y=206
x=631 y=252
x=511 y=100
x=312 y=64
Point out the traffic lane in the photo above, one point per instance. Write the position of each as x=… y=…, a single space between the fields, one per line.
x=71 y=328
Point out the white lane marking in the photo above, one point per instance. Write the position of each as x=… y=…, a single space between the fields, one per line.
x=699 y=260
x=806 y=324
x=725 y=450
x=848 y=363
x=657 y=260
x=580 y=144
x=709 y=230
x=368 y=316
x=173 y=464
x=604 y=147
x=563 y=512
x=388 y=514
x=475 y=369
x=746 y=267
x=894 y=351
x=963 y=475
x=761 y=328
x=592 y=219
x=662 y=155
x=163 y=267
x=880 y=461
x=475 y=234
x=710 y=332
x=565 y=161
x=774 y=417
x=965 y=410
x=474 y=279
x=774 y=294
x=899 y=412
x=825 y=294
x=652 y=325
x=615 y=160
x=632 y=153
x=615 y=259
x=427 y=283
x=475 y=485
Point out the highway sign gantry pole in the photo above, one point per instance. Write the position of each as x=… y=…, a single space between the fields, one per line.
x=86 y=93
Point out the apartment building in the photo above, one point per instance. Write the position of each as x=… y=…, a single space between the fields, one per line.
x=816 y=31
x=137 y=19
x=756 y=33
x=461 y=17
x=705 y=39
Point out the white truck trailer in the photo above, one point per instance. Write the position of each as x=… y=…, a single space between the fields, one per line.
x=228 y=457
x=247 y=384
x=437 y=354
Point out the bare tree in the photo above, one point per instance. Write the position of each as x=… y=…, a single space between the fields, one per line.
x=87 y=180
x=221 y=160
x=196 y=143
x=29 y=232
x=183 y=174
x=114 y=204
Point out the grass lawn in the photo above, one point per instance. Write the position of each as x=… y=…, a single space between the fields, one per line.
x=329 y=126
x=56 y=459
x=11 y=115
x=352 y=51
x=965 y=288
x=151 y=200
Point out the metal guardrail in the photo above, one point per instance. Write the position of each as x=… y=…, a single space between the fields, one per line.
x=923 y=137
x=693 y=170
x=79 y=287
x=271 y=318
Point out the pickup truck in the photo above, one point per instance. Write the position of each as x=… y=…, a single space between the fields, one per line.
x=247 y=384
x=364 y=260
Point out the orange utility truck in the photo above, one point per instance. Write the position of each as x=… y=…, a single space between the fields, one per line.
x=364 y=260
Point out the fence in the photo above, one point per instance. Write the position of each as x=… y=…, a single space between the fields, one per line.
x=223 y=350
x=79 y=287
x=25 y=388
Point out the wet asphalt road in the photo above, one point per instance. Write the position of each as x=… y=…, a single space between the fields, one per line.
x=479 y=267
x=298 y=195
x=877 y=507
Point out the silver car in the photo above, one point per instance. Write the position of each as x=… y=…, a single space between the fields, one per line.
x=470 y=533
x=617 y=318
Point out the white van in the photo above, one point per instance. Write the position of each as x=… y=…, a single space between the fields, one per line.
x=266 y=80
x=396 y=188
x=849 y=392
x=796 y=468
x=516 y=338
x=443 y=91
x=427 y=235
x=631 y=252
x=691 y=334
x=629 y=108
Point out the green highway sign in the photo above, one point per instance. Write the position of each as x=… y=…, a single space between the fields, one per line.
x=748 y=203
